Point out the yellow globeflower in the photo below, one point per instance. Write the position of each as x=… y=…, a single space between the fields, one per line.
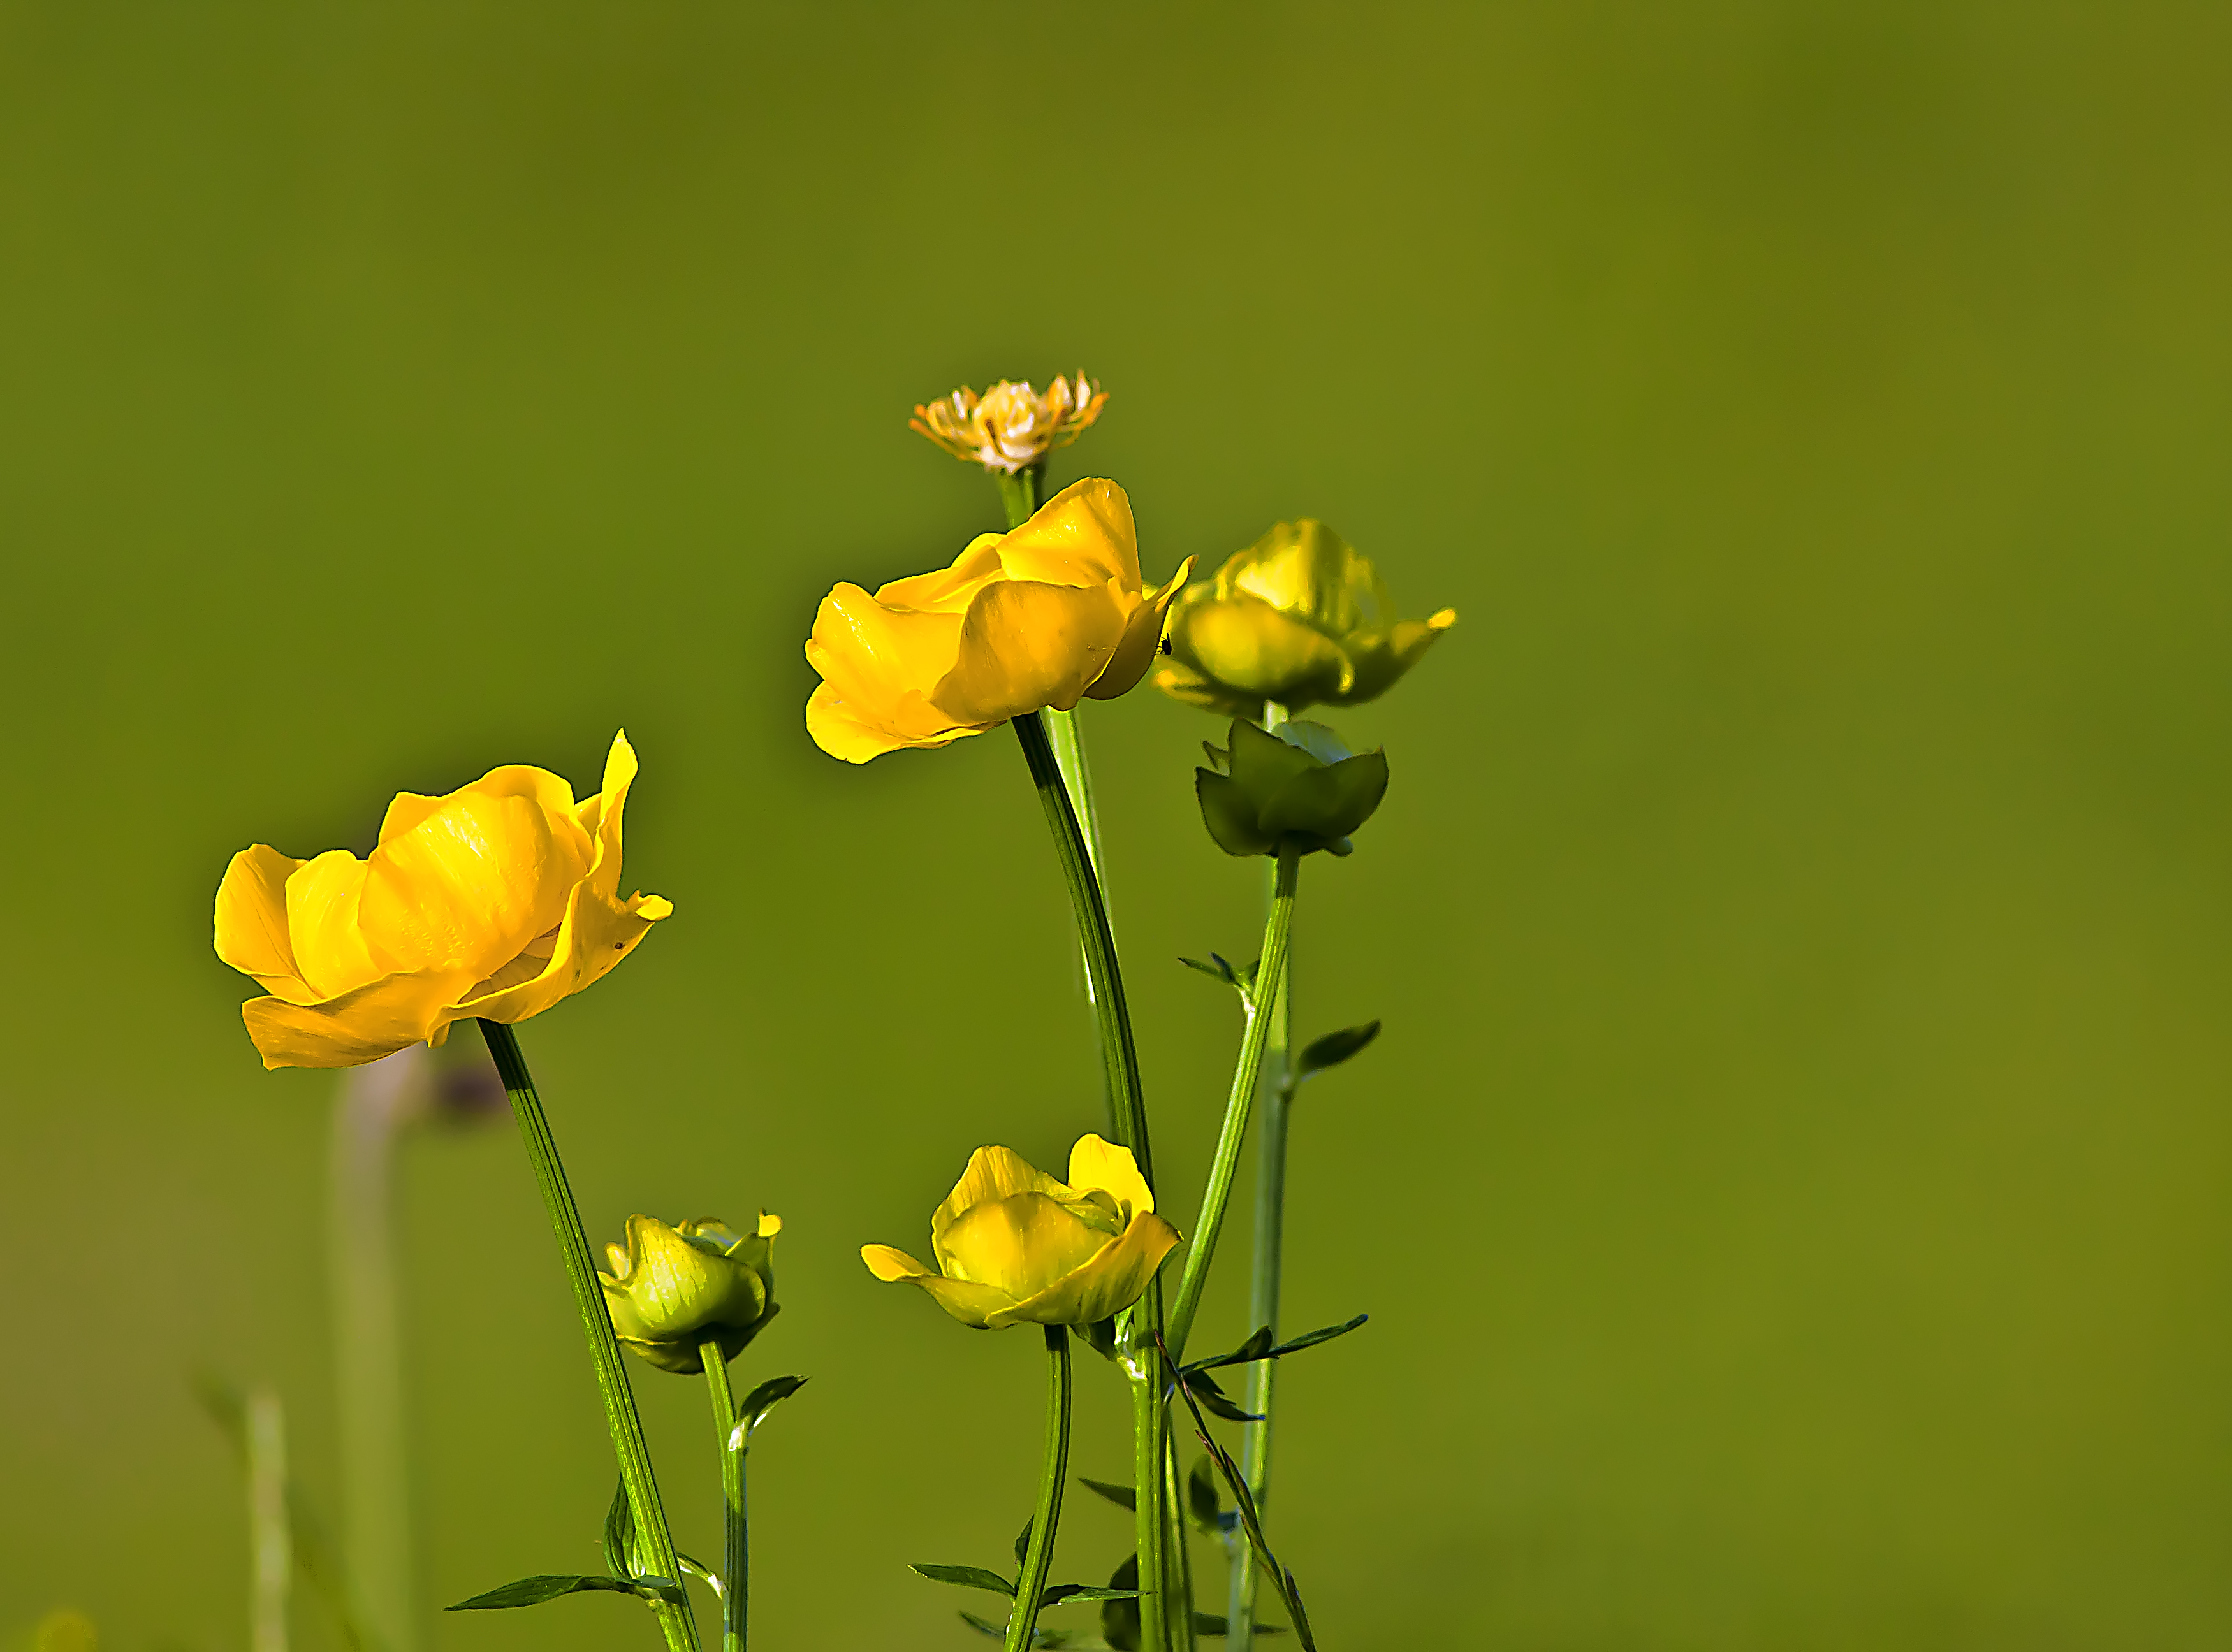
x=1299 y=618
x=1042 y=615
x=672 y=1288
x=1013 y=427
x=495 y=901
x=1015 y=1246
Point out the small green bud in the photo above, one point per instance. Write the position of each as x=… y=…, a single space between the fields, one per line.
x=1297 y=791
x=672 y=1288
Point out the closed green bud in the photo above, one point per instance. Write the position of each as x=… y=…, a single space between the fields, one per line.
x=673 y=1289
x=1294 y=792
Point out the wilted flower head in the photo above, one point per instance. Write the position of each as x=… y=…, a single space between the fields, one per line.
x=1013 y=426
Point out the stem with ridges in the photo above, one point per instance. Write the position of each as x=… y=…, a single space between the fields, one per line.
x=735 y=1546
x=1264 y=1274
x=1238 y=1105
x=1038 y=1555
x=1120 y=1069
x=675 y=1618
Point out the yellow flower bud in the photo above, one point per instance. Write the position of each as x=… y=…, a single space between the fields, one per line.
x=1299 y=618
x=494 y=902
x=1015 y=1246
x=1013 y=427
x=1043 y=615
x=672 y=1288
x=1296 y=791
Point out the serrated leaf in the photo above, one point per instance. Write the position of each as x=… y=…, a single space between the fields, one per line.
x=1122 y=1496
x=1062 y=1594
x=1334 y=1049
x=532 y=1591
x=757 y=1404
x=967 y=1577
x=1201 y=1502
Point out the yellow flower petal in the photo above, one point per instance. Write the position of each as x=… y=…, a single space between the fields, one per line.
x=356 y=1027
x=1095 y=1163
x=1022 y=1244
x=1082 y=537
x=1104 y=1286
x=1143 y=637
x=251 y=922
x=969 y=1303
x=948 y=590
x=993 y=1173
x=1025 y=645
x=471 y=883
x=323 y=900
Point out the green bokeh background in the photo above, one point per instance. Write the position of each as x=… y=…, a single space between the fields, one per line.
x=1791 y=1193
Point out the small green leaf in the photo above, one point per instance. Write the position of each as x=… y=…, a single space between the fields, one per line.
x=1213 y=1399
x=1047 y=1639
x=1023 y=1543
x=532 y=1591
x=1210 y=1623
x=703 y=1573
x=1257 y=1346
x=1260 y=1346
x=1311 y=1338
x=984 y=1626
x=1122 y=1496
x=1201 y=1502
x=761 y=1401
x=1334 y=1049
x=967 y=1577
x=1220 y=759
x=1062 y=1594
x=620 y=1535
x=1120 y=1617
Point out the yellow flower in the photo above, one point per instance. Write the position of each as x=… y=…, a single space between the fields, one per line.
x=495 y=901
x=1013 y=426
x=671 y=1288
x=1040 y=616
x=1299 y=618
x=1015 y=1246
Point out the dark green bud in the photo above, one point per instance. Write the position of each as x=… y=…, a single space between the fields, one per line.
x=1294 y=792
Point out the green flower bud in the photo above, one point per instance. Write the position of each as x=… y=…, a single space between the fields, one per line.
x=672 y=1288
x=1296 y=791
x=1299 y=618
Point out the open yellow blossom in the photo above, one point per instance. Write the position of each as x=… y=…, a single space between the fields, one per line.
x=1043 y=615
x=1013 y=427
x=673 y=1289
x=1299 y=618
x=494 y=902
x=1015 y=1246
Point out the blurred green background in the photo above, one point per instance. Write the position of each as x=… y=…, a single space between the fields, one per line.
x=1791 y=1191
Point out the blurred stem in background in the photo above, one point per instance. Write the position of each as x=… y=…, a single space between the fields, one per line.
x=374 y=1105
x=271 y=1545
x=1263 y=1275
x=676 y=1620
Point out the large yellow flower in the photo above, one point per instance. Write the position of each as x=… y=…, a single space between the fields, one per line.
x=1043 y=615
x=1012 y=427
x=1015 y=1246
x=495 y=901
x=1299 y=618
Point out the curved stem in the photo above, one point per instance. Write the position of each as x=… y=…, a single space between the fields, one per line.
x=735 y=1548
x=1263 y=1273
x=1237 y=1104
x=675 y=1618
x=1038 y=1556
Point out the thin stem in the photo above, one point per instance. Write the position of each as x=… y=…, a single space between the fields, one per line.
x=1238 y=1106
x=1038 y=1556
x=374 y=1103
x=1181 y=1564
x=271 y=1550
x=735 y=1548
x=1019 y=492
x=672 y=1610
x=1151 y=1527
x=1264 y=1271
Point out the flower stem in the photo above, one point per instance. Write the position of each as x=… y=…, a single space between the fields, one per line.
x=1127 y=1105
x=1038 y=1556
x=1263 y=1278
x=271 y=1552
x=1019 y=492
x=736 y=1551
x=673 y=1613
x=1237 y=1104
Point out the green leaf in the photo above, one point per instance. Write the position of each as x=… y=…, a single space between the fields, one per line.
x=1210 y=1623
x=1122 y=1496
x=1100 y=1337
x=967 y=1577
x=1257 y=1346
x=1120 y=1617
x=1023 y=1543
x=1213 y=1399
x=532 y=1591
x=984 y=1626
x=1334 y=1049
x=1062 y=1594
x=1260 y=1346
x=1311 y=1338
x=761 y=1401
x=703 y=1573
x=1202 y=1502
x=1049 y=1639
x=621 y=1558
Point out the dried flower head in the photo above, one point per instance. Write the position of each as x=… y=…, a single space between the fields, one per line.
x=1012 y=427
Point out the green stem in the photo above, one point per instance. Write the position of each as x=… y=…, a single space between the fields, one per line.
x=1237 y=1104
x=1180 y=1569
x=271 y=1551
x=1038 y=1556
x=1120 y=1071
x=1263 y=1278
x=675 y=1618
x=735 y=1550
x=1019 y=492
